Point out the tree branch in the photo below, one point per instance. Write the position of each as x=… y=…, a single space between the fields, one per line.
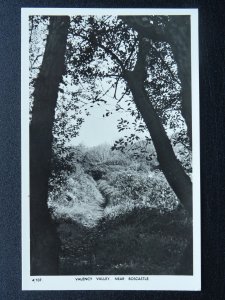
x=113 y=55
x=108 y=51
x=131 y=53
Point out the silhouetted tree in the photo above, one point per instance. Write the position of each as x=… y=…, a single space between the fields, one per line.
x=44 y=246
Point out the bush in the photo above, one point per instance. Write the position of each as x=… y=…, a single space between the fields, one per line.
x=78 y=200
x=137 y=190
x=108 y=179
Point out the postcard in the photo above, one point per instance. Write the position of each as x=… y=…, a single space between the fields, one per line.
x=110 y=149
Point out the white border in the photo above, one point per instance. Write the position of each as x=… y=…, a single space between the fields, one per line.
x=159 y=282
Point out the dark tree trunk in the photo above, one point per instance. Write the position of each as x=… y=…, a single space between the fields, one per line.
x=170 y=165
x=177 y=34
x=44 y=246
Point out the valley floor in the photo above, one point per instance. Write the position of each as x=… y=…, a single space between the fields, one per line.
x=142 y=243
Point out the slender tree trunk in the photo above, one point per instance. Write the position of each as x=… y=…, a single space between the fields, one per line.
x=44 y=246
x=170 y=165
x=177 y=34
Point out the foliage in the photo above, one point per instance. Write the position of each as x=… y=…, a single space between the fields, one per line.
x=79 y=200
x=137 y=189
x=181 y=145
x=130 y=207
x=37 y=41
x=99 y=49
x=112 y=184
x=157 y=242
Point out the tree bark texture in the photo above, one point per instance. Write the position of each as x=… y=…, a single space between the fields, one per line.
x=170 y=165
x=44 y=243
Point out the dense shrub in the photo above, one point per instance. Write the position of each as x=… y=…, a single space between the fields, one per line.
x=108 y=183
x=138 y=189
x=78 y=200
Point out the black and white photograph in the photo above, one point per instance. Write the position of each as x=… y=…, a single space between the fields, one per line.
x=110 y=149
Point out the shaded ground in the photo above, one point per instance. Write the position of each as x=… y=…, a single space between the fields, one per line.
x=143 y=242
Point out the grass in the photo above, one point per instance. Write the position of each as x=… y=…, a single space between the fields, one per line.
x=120 y=217
x=143 y=242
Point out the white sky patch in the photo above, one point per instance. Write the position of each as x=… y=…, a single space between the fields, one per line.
x=98 y=130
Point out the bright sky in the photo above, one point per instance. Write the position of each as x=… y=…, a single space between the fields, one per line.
x=98 y=130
